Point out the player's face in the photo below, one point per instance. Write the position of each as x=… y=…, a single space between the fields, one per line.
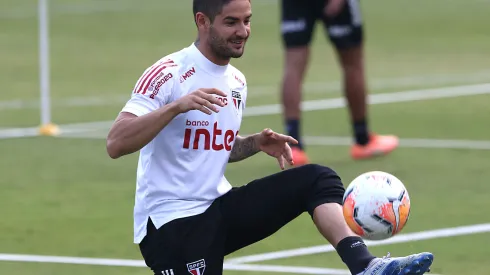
x=231 y=29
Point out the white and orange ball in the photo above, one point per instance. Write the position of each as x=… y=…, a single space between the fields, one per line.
x=376 y=205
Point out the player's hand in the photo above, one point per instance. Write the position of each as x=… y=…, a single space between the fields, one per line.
x=276 y=145
x=333 y=7
x=204 y=100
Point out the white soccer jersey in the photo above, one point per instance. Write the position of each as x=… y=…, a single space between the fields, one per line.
x=181 y=171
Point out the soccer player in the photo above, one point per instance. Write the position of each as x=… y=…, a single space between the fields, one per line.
x=343 y=23
x=184 y=115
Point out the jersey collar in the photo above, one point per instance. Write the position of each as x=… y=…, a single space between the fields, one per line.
x=205 y=63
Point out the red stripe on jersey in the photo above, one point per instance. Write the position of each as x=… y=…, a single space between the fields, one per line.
x=141 y=80
x=144 y=78
x=155 y=74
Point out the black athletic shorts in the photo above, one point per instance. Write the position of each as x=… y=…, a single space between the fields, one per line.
x=245 y=215
x=300 y=16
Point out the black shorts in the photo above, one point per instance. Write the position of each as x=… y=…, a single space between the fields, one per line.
x=243 y=216
x=300 y=16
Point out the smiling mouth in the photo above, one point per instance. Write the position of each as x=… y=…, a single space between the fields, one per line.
x=237 y=42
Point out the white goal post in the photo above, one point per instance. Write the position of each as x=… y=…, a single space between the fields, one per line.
x=47 y=127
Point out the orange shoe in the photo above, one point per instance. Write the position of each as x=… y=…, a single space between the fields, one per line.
x=378 y=145
x=299 y=156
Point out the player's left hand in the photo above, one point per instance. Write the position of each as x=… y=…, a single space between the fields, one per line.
x=276 y=145
x=333 y=7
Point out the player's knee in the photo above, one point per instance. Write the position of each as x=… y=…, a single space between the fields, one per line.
x=326 y=186
x=296 y=61
x=351 y=61
x=323 y=177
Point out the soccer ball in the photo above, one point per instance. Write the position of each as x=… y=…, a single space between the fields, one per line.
x=376 y=205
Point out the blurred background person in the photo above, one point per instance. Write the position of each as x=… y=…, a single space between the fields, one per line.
x=343 y=23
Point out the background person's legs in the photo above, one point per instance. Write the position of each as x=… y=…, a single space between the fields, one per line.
x=297 y=25
x=345 y=31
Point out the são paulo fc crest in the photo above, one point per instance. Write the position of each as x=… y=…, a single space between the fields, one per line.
x=237 y=99
x=197 y=268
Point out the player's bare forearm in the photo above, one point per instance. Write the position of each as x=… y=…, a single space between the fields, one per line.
x=244 y=147
x=131 y=133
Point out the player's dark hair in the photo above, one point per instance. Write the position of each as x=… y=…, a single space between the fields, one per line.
x=210 y=8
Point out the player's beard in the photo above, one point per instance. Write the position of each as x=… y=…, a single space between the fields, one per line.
x=222 y=47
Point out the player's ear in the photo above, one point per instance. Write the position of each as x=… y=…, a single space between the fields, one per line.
x=202 y=21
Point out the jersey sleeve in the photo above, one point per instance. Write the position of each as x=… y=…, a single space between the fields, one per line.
x=152 y=90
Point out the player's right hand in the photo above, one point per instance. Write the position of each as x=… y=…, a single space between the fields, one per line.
x=204 y=100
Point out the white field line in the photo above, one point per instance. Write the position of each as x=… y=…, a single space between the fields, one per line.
x=70 y=260
x=287 y=269
x=403 y=238
x=408 y=143
x=236 y=263
x=413 y=95
x=141 y=263
x=390 y=83
x=18 y=132
x=260 y=91
x=312 y=105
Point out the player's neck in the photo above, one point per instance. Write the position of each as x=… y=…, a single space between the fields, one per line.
x=208 y=53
